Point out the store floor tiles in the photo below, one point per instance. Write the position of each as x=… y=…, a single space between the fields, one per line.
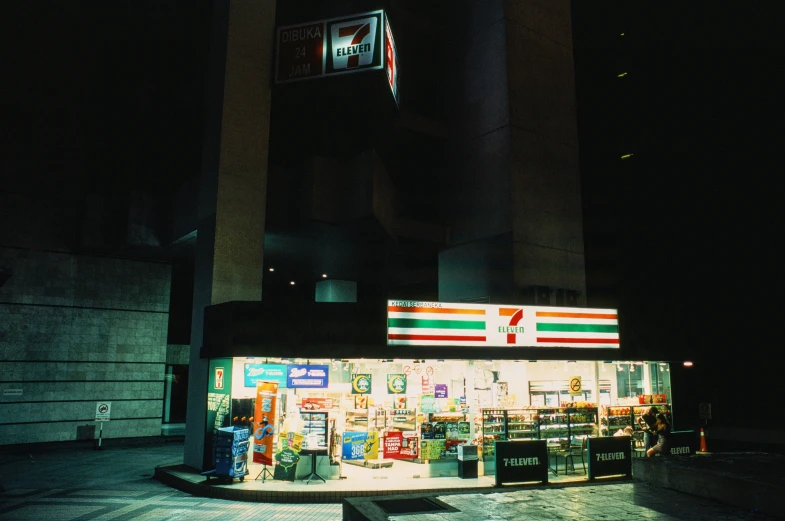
x=356 y=482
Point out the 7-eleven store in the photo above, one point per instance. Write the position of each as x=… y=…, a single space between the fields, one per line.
x=446 y=375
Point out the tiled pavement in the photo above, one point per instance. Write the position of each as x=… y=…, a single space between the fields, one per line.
x=116 y=484
x=628 y=501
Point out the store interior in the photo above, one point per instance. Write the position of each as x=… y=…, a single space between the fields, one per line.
x=375 y=419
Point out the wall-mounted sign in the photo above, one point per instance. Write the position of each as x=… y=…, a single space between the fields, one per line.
x=219 y=377
x=361 y=384
x=265 y=372
x=307 y=376
x=455 y=324
x=337 y=46
x=440 y=390
x=576 y=387
x=396 y=384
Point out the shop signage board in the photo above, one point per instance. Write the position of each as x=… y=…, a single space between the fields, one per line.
x=684 y=443
x=576 y=386
x=219 y=378
x=396 y=383
x=12 y=392
x=391 y=445
x=704 y=411
x=353 y=446
x=521 y=461
x=609 y=456
x=265 y=372
x=316 y=404
x=494 y=325
x=391 y=60
x=371 y=445
x=361 y=383
x=287 y=464
x=103 y=411
x=307 y=376
x=348 y=44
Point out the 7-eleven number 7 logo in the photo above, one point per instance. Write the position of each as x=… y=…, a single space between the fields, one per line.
x=353 y=43
x=513 y=328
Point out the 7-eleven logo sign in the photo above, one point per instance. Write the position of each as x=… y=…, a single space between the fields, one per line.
x=512 y=329
x=353 y=43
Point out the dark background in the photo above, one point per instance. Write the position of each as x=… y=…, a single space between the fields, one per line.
x=106 y=99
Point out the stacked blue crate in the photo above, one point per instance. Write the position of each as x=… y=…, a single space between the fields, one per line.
x=231 y=452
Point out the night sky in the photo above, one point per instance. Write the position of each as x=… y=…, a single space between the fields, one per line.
x=689 y=226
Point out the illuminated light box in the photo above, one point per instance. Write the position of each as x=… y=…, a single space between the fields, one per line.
x=493 y=325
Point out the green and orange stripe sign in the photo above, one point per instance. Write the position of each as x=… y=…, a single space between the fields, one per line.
x=441 y=323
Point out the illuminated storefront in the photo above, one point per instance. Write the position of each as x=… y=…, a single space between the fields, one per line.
x=412 y=413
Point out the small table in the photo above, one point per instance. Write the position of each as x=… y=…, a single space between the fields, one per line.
x=314 y=453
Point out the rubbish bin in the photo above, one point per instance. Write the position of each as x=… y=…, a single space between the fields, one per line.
x=467 y=461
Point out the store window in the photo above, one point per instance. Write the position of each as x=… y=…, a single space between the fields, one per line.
x=361 y=414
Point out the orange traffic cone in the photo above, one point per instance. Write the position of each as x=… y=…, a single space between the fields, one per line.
x=703 y=441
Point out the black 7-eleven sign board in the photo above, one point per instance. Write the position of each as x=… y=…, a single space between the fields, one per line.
x=336 y=46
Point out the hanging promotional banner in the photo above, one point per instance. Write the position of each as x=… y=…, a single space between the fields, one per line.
x=493 y=325
x=361 y=383
x=396 y=383
x=265 y=372
x=264 y=422
x=307 y=376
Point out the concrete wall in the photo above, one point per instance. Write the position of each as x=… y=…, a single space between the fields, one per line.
x=74 y=330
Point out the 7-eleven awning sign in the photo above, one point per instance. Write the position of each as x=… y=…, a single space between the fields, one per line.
x=455 y=324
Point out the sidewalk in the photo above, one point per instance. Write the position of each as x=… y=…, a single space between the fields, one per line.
x=68 y=482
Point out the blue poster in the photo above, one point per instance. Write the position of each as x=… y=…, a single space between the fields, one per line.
x=353 y=447
x=265 y=373
x=307 y=376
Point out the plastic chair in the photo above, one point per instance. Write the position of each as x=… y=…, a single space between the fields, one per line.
x=577 y=447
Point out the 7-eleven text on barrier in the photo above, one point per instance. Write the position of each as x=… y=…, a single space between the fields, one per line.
x=264 y=422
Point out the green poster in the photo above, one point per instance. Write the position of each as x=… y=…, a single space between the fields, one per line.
x=361 y=383
x=396 y=383
x=433 y=449
x=287 y=465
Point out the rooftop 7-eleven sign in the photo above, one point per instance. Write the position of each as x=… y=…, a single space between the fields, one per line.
x=455 y=324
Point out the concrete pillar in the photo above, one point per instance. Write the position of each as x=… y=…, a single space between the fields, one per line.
x=233 y=189
x=515 y=155
x=545 y=189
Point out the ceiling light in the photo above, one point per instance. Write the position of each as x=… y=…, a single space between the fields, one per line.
x=687 y=363
x=324 y=275
x=271 y=269
x=291 y=283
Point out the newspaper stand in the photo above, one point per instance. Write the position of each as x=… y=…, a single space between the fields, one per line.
x=231 y=452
